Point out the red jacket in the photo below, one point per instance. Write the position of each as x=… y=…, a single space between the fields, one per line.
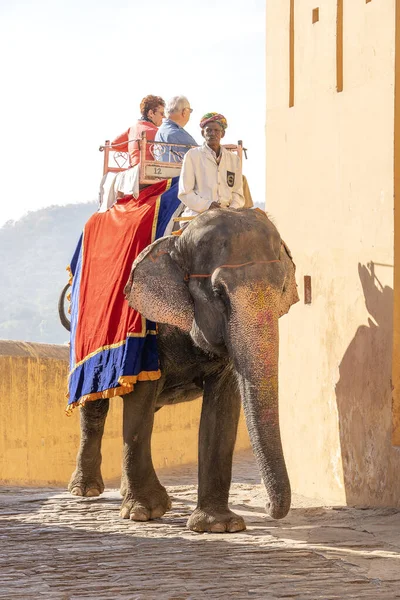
x=125 y=143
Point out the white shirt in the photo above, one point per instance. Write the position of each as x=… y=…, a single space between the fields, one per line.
x=204 y=181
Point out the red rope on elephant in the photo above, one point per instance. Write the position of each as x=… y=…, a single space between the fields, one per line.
x=201 y=275
x=252 y=262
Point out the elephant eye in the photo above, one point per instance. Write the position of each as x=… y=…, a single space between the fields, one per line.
x=218 y=290
x=221 y=298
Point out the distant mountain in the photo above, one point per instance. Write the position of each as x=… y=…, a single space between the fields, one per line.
x=36 y=251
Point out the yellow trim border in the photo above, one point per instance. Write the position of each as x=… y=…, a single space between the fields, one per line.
x=127 y=385
x=127 y=382
x=70 y=276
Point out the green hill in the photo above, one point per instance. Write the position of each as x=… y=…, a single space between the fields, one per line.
x=36 y=250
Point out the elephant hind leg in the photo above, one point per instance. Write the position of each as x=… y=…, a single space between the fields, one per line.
x=86 y=479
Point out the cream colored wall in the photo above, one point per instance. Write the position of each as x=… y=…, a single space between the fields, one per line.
x=396 y=315
x=38 y=443
x=330 y=191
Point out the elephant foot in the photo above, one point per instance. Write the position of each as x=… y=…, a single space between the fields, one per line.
x=87 y=487
x=215 y=521
x=145 y=506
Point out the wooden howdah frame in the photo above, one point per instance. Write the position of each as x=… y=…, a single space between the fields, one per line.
x=153 y=170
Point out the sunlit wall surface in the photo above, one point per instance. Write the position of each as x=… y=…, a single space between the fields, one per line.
x=330 y=187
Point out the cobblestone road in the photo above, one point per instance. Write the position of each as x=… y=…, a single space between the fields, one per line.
x=55 y=546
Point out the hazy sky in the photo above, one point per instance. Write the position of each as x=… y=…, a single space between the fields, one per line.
x=73 y=74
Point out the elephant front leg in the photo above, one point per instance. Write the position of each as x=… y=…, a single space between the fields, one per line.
x=144 y=496
x=86 y=479
x=218 y=428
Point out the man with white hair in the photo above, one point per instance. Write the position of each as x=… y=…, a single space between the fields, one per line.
x=172 y=129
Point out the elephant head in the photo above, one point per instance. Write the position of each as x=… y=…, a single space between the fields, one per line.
x=225 y=281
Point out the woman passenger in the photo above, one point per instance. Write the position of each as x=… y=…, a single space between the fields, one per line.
x=152 y=114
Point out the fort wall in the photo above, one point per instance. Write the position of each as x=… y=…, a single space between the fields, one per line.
x=39 y=443
x=330 y=133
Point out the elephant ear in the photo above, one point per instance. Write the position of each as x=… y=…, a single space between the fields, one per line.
x=156 y=287
x=289 y=294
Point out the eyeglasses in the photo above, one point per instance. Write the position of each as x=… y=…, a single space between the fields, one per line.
x=188 y=108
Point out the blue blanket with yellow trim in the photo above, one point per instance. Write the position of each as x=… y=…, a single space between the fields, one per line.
x=112 y=346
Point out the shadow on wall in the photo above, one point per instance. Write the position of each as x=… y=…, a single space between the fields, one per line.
x=371 y=466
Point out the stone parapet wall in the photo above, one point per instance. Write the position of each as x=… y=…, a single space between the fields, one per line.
x=38 y=443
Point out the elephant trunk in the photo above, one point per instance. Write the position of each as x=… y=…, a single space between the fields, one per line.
x=254 y=344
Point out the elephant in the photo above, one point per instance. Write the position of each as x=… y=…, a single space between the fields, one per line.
x=216 y=293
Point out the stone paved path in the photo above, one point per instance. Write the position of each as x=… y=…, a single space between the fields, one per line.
x=55 y=546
